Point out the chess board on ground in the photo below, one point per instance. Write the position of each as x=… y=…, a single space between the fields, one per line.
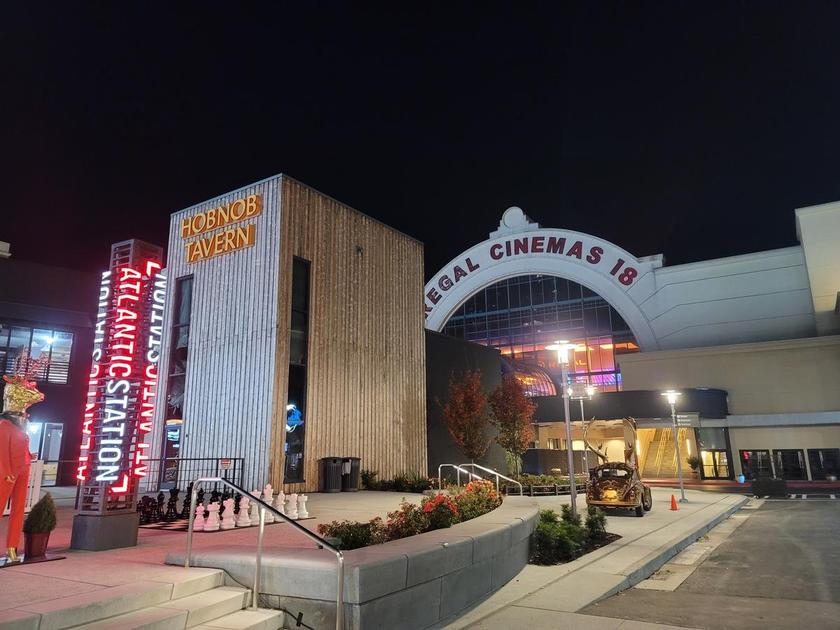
x=182 y=525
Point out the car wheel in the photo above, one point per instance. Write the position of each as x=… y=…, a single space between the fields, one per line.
x=647 y=502
x=640 y=511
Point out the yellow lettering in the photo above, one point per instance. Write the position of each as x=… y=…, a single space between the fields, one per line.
x=198 y=222
x=237 y=210
x=253 y=205
x=211 y=218
x=224 y=215
x=185 y=227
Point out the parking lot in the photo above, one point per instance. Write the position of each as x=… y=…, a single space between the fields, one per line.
x=779 y=569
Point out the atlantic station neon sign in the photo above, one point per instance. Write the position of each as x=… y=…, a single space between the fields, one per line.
x=124 y=376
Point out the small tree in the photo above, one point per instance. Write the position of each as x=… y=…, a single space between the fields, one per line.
x=465 y=414
x=511 y=414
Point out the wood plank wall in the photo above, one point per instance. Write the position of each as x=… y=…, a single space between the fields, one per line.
x=366 y=356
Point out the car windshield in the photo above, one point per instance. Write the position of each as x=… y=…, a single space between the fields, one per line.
x=613 y=473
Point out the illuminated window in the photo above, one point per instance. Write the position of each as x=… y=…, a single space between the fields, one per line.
x=521 y=316
x=42 y=343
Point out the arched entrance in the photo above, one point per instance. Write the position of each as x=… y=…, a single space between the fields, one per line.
x=520 y=248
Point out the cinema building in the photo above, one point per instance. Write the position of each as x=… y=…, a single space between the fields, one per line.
x=293 y=332
x=751 y=341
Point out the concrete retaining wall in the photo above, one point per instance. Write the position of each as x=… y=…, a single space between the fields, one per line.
x=412 y=583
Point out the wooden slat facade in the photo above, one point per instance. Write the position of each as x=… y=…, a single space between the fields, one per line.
x=366 y=354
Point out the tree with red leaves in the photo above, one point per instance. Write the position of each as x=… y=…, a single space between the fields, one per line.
x=465 y=414
x=512 y=413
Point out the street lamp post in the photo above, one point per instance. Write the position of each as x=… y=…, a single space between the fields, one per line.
x=671 y=397
x=590 y=392
x=562 y=348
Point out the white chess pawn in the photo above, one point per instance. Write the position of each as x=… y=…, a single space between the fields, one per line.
x=243 y=519
x=302 y=499
x=280 y=503
x=228 y=521
x=292 y=510
x=268 y=497
x=198 y=521
x=212 y=522
x=255 y=509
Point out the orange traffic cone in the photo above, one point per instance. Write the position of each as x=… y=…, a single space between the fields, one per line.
x=673 y=503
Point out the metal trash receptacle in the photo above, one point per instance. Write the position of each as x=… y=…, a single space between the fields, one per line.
x=330 y=474
x=350 y=474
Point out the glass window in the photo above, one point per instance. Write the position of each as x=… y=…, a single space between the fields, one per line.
x=52 y=346
x=756 y=464
x=296 y=398
x=790 y=463
x=824 y=462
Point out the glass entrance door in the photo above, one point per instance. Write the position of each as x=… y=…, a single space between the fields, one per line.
x=715 y=464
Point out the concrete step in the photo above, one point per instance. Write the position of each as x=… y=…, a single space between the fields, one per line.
x=260 y=619
x=85 y=608
x=210 y=605
x=145 y=619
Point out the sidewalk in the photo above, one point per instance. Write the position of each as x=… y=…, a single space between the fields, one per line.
x=548 y=597
x=83 y=572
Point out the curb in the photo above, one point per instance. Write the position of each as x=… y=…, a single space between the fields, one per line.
x=645 y=568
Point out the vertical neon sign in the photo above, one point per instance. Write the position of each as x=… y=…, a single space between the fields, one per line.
x=123 y=378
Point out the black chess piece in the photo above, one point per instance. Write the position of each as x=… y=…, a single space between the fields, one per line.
x=236 y=499
x=185 y=511
x=148 y=509
x=160 y=499
x=172 y=505
x=200 y=496
x=214 y=496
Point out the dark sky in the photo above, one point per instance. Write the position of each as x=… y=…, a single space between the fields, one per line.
x=688 y=129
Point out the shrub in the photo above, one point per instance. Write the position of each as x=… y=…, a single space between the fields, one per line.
x=408 y=520
x=479 y=497
x=418 y=483
x=369 y=481
x=41 y=519
x=596 y=523
x=572 y=524
x=553 y=543
x=401 y=483
x=693 y=462
x=441 y=510
x=352 y=534
x=548 y=516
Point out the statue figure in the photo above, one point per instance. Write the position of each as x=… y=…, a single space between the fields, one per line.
x=19 y=394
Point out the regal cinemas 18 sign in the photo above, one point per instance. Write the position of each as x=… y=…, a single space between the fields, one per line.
x=124 y=377
x=215 y=231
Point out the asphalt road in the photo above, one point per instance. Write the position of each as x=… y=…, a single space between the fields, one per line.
x=779 y=570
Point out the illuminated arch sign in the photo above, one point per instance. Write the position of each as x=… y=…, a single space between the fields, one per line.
x=123 y=379
x=521 y=247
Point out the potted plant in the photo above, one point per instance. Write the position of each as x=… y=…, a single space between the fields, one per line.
x=694 y=463
x=37 y=527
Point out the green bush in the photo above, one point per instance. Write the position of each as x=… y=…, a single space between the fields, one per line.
x=418 y=483
x=369 y=481
x=352 y=534
x=693 y=462
x=401 y=483
x=553 y=541
x=596 y=523
x=41 y=519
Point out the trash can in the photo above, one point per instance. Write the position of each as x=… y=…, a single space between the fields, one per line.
x=330 y=477
x=350 y=472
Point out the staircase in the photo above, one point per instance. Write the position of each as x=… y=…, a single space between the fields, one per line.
x=198 y=598
x=661 y=460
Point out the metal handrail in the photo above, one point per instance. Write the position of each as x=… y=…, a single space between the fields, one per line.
x=498 y=475
x=322 y=543
x=458 y=470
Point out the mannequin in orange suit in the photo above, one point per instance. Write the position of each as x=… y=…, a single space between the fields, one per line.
x=14 y=474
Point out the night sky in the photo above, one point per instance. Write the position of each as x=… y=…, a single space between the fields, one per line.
x=688 y=129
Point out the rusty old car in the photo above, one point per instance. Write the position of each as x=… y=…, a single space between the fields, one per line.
x=618 y=485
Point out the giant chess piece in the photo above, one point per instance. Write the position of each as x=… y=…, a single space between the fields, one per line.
x=172 y=506
x=292 y=510
x=280 y=503
x=160 y=499
x=212 y=522
x=198 y=521
x=227 y=518
x=185 y=510
x=268 y=497
x=243 y=519
x=302 y=499
x=255 y=508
